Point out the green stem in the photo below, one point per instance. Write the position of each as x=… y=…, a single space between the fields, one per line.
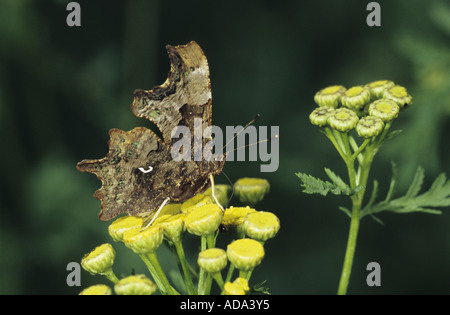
x=203 y=273
x=111 y=276
x=230 y=273
x=218 y=278
x=243 y=274
x=333 y=140
x=357 y=200
x=154 y=274
x=187 y=274
x=152 y=262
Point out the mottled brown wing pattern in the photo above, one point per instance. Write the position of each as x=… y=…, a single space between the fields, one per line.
x=139 y=173
x=185 y=94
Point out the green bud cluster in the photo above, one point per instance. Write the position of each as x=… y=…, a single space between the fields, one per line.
x=365 y=108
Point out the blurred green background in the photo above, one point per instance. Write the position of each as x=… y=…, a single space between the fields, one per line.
x=62 y=88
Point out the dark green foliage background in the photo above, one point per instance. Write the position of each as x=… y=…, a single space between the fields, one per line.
x=62 y=89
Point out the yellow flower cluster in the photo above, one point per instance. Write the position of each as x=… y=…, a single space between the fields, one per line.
x=199 y=216
x=366 y=108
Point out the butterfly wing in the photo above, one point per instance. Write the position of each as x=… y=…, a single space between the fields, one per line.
x=138 y=173
x=184 y=96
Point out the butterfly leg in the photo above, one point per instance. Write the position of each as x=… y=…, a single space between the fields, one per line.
x=157 y=213
x=211 y=178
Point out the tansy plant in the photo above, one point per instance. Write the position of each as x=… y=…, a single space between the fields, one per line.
x=357 y=121
x=202 y=217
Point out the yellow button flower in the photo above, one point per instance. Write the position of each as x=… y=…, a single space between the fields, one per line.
x=384 y=109
x=123 y=224
x=399 y=95
x=173 y=226
x=212 y=260
x=329 y=96
x=243 y=283
x=143 y=242
x=356 y=97
x=237 y=287
x=98 y=289
x=377 y=88
x=245 y=254
x=197 y=201
x=369 y=126
x=203 y=220
x=235 y=216
x=261 y=225
x=319 y=116
x=222 y=193
x=135 y=285
x=251 y=190
x=100 y=260
x=343 y=119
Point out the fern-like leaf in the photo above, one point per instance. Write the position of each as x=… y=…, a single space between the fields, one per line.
x=438 y=196
x=337 y=186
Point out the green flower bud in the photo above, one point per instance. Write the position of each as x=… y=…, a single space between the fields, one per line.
x=245 y=254
x=222 y=193
x=343 y=119
x=203 y=220
x=261 y=225
x=251 y=190
x=143 y=242
x=98 y=289
x=173 y=226
x=212 y=260
x=377 y=88
x=399 y=95
x=135 y=285
x=319 y=116
x=329 y=96
x=197 y=201
x=123 y=224
x=369 y=126
x=356 y=97
x=384 y=109
x=100 y=260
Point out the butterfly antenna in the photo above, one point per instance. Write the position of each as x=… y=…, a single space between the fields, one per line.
x=232 y=188
x=252 y=144
x=235 y=136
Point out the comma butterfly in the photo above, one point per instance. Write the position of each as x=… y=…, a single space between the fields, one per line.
x=139 y=174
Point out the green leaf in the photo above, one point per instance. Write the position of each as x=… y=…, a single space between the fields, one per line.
x=437 y=196
x=392 y=135
x=314 y=185
x=261 y=288
x=346 y=211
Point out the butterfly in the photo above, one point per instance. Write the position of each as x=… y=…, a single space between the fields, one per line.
x=139 y=175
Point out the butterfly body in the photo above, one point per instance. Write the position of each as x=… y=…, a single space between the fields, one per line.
x=139 y=172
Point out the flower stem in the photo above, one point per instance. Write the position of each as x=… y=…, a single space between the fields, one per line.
x=187 y=274
x=152 y=263
x=218 y=278
x=205 y=279
x=350 y=251
x=111 y=276
x=357 y=200
x=230 y=273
